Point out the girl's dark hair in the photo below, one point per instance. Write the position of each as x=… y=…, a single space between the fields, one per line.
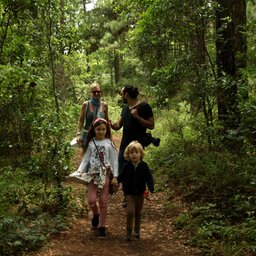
x=91 y=131
x=132 y=91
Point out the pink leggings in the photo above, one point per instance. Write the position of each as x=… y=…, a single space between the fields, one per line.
x=92 y=191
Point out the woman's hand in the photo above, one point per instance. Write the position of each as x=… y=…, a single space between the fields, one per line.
x=78 y=139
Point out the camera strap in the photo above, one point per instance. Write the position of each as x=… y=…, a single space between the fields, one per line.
x=100 y=157
x=99 y=154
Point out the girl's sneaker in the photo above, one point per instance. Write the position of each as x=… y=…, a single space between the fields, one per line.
x=102 y=232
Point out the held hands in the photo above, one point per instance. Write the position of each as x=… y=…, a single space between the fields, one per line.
x=114 y=182
x=114 y=126
x=115 y=185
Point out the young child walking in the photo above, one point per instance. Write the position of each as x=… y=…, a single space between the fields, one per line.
x=100 y=156
x=135 y=175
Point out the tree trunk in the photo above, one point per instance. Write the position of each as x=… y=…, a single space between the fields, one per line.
x=4 y=36
x=231 y=58
x=116 y=67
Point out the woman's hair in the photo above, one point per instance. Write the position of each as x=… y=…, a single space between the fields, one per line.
x=131 y=90
x=94 y=85
x=91 y=131
x=133 y=146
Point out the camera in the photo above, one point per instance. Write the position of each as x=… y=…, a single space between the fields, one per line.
x=148 y=139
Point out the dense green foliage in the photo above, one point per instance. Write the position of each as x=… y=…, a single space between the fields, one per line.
x=50 y=51
x=218 y=187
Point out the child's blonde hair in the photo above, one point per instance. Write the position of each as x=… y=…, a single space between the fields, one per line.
x=134 y=145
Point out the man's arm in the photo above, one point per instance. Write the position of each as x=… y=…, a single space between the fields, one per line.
x=117 y=125
x=148 y=123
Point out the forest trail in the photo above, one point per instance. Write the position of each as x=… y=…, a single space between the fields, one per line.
x=158 y=236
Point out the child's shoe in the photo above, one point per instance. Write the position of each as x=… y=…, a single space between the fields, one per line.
x=128 y=236
x=95 y=220
x=102 y=232
x=137 y=235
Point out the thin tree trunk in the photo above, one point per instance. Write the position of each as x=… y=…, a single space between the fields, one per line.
x=4 y=36
x=230 y=58
x=52 y=63
x=116 y=67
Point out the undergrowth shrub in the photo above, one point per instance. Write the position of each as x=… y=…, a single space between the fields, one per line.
x=217 y=185
x=30 y=211
x=19 y=234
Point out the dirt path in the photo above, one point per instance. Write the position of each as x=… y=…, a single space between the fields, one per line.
x=158 y=237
